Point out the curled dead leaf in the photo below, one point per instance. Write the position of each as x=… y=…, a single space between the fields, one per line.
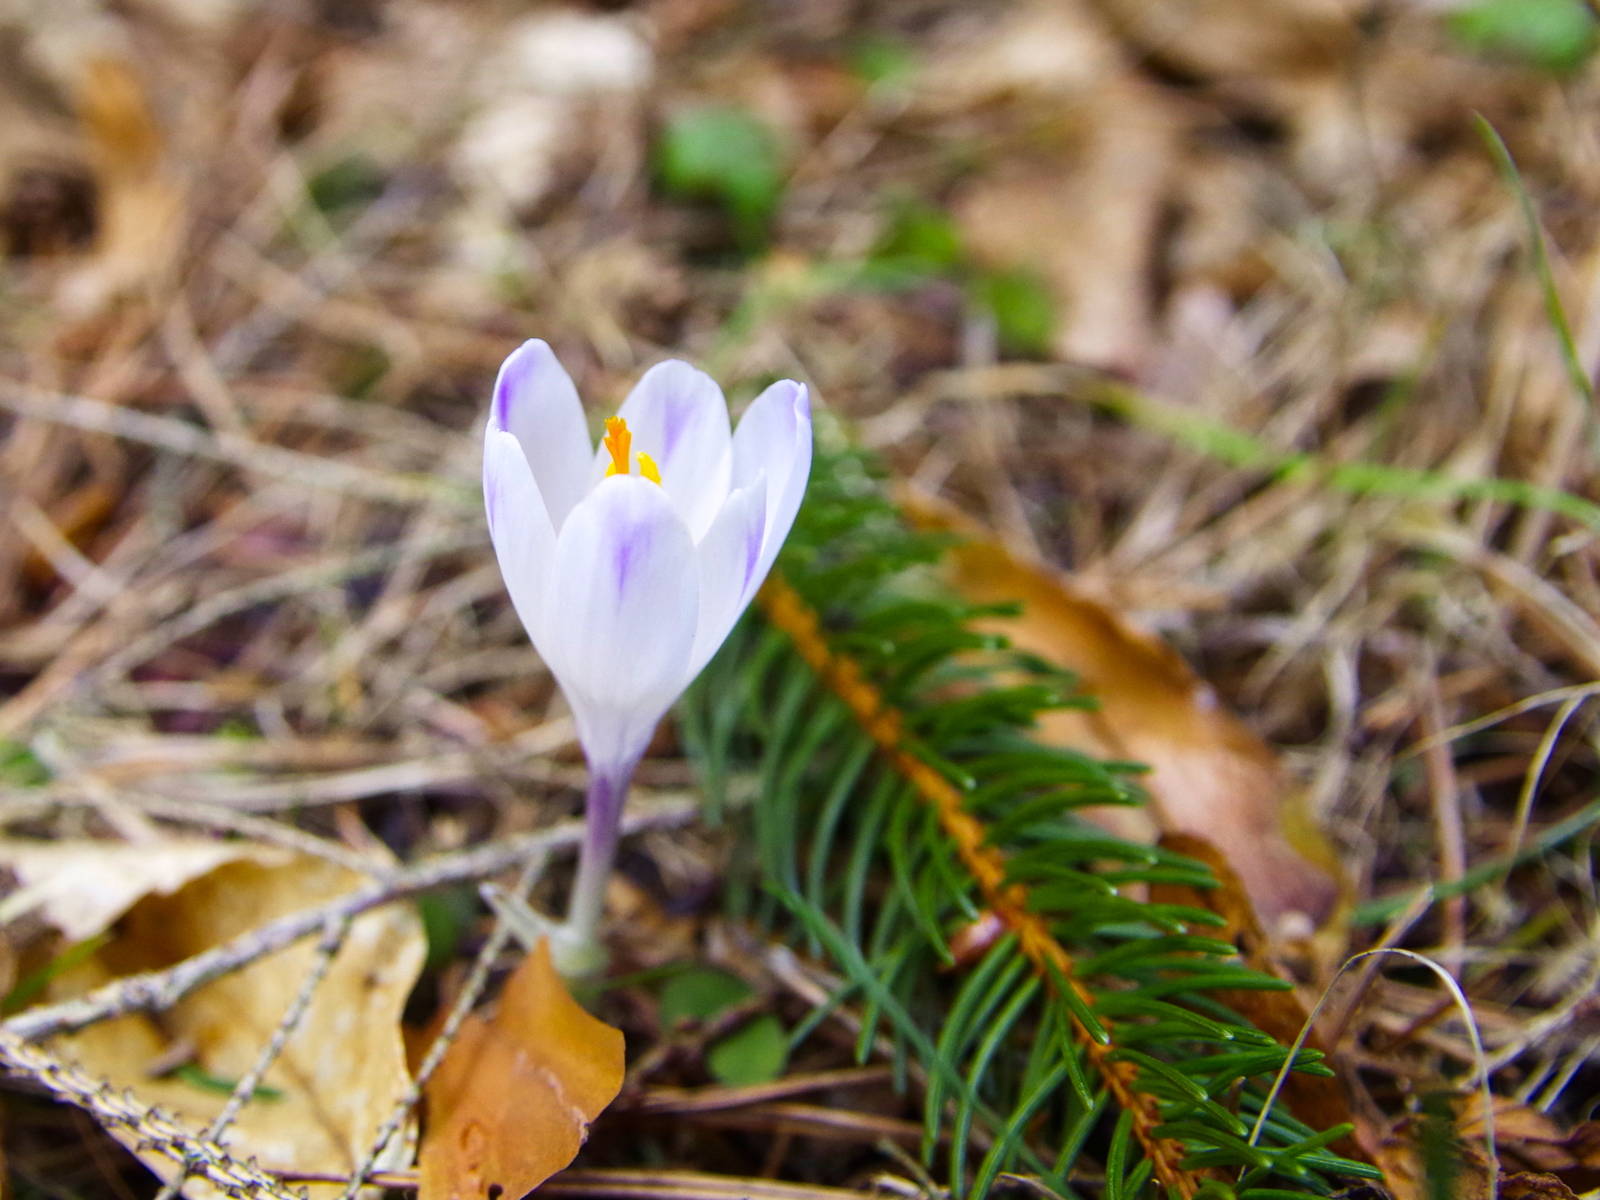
x=511 y=1102
x=1533 y=1185
x=1532 y=1143
x=1209 y=774
x=1400 y=1158
x=80 y=888
x=1537 y=1158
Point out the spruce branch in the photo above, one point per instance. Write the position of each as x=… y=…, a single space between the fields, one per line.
x=1048 y=987
x=787 y=612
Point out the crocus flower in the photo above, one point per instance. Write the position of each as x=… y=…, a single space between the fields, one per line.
x=629 y=563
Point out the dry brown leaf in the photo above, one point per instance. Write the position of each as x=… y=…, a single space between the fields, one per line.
x=537 y=122
x=1533 y=1185
x=1583 y=1174
x=1240 y=39
x=1085 y=219
x=1042 y=50
x=141 y=204
x=1081 y=204
x=1209 y=774
x=511 y=1102
x=1534 y=1143
x=341 y=1071
x=1538 y=1160
x=1401 y=1162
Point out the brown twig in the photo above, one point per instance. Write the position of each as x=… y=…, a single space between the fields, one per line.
x=716 y=1099
x=180 y=437
x=630 y=1184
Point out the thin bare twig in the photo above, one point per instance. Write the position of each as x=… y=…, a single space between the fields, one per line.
x=180 y=437
x=332 y=938
x=156 y=990
x=194 y=1153
x=1444 y=792
x=630 y=1184
x=205 y=816
x=499 y=935
x=715 y=1099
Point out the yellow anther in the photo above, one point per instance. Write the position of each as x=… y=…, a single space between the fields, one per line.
x=618 y=441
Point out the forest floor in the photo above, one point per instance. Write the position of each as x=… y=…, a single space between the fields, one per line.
x=1265 y=334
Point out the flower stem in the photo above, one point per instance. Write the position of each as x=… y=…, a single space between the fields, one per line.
x=602 y=821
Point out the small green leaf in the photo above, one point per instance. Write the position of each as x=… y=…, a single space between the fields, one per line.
x=20 y=767
x=920 y=238
x=727 y=156
x=362 y=370
x=33 y=985
x=883 y=62
x=348 y=183
x=199 y=1078
x=699 y=994
x=1024 y=312
x=446 y=917
x=757 y=1053
x=1553 y=35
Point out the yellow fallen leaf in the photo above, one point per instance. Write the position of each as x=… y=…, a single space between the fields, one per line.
x=340 y=1072
x=1209 y=774
x=141 y=203
x=511 y=1102
x=80 y=888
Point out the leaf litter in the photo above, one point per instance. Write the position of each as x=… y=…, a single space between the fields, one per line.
x=341 y=1064
x=318 y=236
x=512 y=1100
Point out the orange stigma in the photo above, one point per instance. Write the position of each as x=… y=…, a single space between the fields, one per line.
x=618 y=442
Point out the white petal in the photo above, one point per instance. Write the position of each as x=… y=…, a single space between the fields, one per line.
x=678 y=416
x=524 y=539
x=729 y=555
x=535 y=401
x=622 y=612
x=774 y=440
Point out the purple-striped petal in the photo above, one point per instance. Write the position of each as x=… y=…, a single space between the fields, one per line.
x=535 y=401
x=520 y=528
x=678 y=416
x=622 y=612
x=774 y=440
x=729 y=554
